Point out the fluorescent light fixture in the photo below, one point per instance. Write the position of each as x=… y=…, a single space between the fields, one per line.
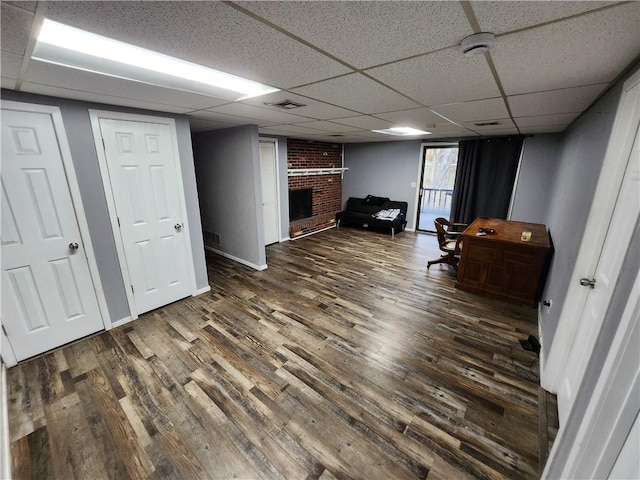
x=402 y=131
x=71 y=47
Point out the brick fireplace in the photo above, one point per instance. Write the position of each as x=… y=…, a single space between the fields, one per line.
x=326 y=189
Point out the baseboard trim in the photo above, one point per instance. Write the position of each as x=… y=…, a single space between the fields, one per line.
x=285 y=239
x=202 y=290
x=119 y=323
x=313 y=233
x=236 y=259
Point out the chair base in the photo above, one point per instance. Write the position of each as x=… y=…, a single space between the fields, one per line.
x=450 y=260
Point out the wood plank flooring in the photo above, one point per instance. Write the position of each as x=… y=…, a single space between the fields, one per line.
x=345 y=359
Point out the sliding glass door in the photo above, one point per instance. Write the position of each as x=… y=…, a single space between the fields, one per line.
x=437 y=179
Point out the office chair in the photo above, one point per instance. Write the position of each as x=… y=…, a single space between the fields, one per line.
x=449 y=241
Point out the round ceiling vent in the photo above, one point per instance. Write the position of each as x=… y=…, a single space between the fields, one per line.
x=477 y=43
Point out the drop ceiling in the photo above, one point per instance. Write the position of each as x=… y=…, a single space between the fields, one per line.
x=355 y=66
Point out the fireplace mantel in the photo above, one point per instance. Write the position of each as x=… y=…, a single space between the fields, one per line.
x=301 y=172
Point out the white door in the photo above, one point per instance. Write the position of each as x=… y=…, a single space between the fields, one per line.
x=268 y=172
x=48 y=298
x=144 y=175
x=616 y=244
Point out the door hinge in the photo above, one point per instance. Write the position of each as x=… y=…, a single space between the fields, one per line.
x=5 y=331
x=132 y=290
x=104 y=147
x=118 y=218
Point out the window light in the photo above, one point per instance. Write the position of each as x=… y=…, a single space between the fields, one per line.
x=402 y=131
x=71 y=47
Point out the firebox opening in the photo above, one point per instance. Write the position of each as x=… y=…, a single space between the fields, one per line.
x=300 y=204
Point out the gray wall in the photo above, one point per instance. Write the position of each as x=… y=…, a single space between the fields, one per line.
x=383 y=169
x=537 y=170
x=228 y=173
x=580 y=159
x=75 y=115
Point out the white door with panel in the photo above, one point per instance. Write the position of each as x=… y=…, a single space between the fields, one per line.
x=48 y=298
x=144 y=175
x=268 y=171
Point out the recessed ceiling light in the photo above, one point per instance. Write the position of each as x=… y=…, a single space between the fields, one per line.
x=71 y=47
x=402 y=131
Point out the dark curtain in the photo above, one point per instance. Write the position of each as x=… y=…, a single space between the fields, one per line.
x=484 y=178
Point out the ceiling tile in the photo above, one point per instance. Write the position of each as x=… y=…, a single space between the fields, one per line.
x=226 y=118
x=16 y=28
x=207 y=33
x=25 y=5
x=98 y=98
x=328 y=126
x=364 y=34
x=441 y=77
x=9 y=83
x=71 y=79
x=476 y=110
x=312 y=108
x=365 y=122
x=198 y=125
x=544 y=129
x=499 y=132
x=250 y=111
x=503 y=123
x=567 y=100
x=10 y=64
x=499 y=17
x=358 y=93
x=542 y=120
x=416 y=117
x=593 y=48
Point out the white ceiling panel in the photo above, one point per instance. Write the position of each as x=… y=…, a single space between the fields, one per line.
x=7 y=82
x=364 y=122
x=208 y=33
x=273 y=116
x=544 y=129
x=503 y=123
x=358 y=93
x=198 y=125
x=567 y=100
x=99 y=98
x=231 y=119
x=496 y=132
x=593 y=48
x=293 y=130
x=10 y=64
x=442 y=77
x=30 y=6
x=538 y=121
x=477 y=110
x=328 y=126
x=417 y=118
x=16 y=28
x=500 y=17
x=367 y=33
x=57 y=76
x=312 y=108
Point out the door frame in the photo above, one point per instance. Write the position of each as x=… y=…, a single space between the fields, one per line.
x=423 y=147
x=78 y=207
x=95 y=116
x=604 y=201
x=278 y=202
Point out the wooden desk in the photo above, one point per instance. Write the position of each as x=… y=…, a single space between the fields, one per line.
x=501 y=265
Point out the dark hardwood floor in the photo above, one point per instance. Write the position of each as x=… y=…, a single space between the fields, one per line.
x=346 y=358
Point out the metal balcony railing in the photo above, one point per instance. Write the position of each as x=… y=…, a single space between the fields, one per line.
x=436 y=199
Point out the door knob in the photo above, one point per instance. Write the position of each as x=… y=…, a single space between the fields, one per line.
x=588 y=282
x=73 y=246
x=177 y=226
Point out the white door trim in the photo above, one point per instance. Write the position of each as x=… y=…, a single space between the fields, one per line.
x=279 y=213
x=604 y=201
x=95 y=116
x=612 y=408
x=76 y=198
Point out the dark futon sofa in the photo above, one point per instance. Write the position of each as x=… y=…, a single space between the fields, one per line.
x=374 y=212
